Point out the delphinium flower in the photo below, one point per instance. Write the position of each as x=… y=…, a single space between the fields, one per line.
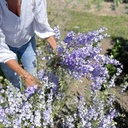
x=99 y=106
x=37 y=119
x=76 y=64
x=106 y=112
x=30 y=90
x=52 y=78
x=57 y=32
x=47 y=113
x=16 y=123
x=14 y=98
x=54 y=93
x=107 y=122
x=81 y=57
x=81 y=62
x=81 y=40
x=87 y=114
x=40 y=74
x=2 y=99
x=124 y=87
x=50 y=81
x=68 y=122
x=15 y=107
x=111 y=100
x=82 y=110
x=30 y=107
x=26 y=113
x=104 y=73
x=6 y=122
x=46 y=118
x=11 y=106
x=2 y=114
x=96 y=113
x=38 y=51
x=44 y=105
x=33 y=108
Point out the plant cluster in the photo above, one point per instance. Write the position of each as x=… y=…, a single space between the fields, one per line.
x=79 y=55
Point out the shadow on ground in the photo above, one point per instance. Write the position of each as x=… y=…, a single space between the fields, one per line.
x=122 y=121
x=119 y=50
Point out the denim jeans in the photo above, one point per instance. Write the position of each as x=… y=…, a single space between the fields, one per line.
x=27 y=56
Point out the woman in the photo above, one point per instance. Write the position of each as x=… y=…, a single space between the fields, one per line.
x=19 y=21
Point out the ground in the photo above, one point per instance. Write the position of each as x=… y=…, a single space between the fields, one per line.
x=106 y=9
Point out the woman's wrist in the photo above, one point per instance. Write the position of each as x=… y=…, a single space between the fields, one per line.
x=25 y=75
x=51 y=40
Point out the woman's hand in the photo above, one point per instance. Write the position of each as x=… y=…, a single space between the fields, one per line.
x=30 y=80
x=27 y=77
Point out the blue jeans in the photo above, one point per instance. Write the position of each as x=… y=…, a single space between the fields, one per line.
x=27 y=55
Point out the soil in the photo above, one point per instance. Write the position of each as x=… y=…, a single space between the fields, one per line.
x=105 y=9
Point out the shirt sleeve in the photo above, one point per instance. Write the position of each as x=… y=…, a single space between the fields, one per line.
x=41 y=25
x=5 y=53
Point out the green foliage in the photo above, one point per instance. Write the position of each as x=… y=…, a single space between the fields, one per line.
x=116 y=4
x=97 y=3
x=116 y=49
x=120 y=52
x=1 y=125
x=89 y=22
x=112 y=69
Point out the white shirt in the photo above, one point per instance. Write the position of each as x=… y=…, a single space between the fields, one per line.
x=17 y=31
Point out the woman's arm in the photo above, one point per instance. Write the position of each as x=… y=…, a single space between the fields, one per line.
x=51 y=40
x=27 y=77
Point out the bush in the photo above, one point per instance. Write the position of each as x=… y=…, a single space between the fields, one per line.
x=79 y=56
